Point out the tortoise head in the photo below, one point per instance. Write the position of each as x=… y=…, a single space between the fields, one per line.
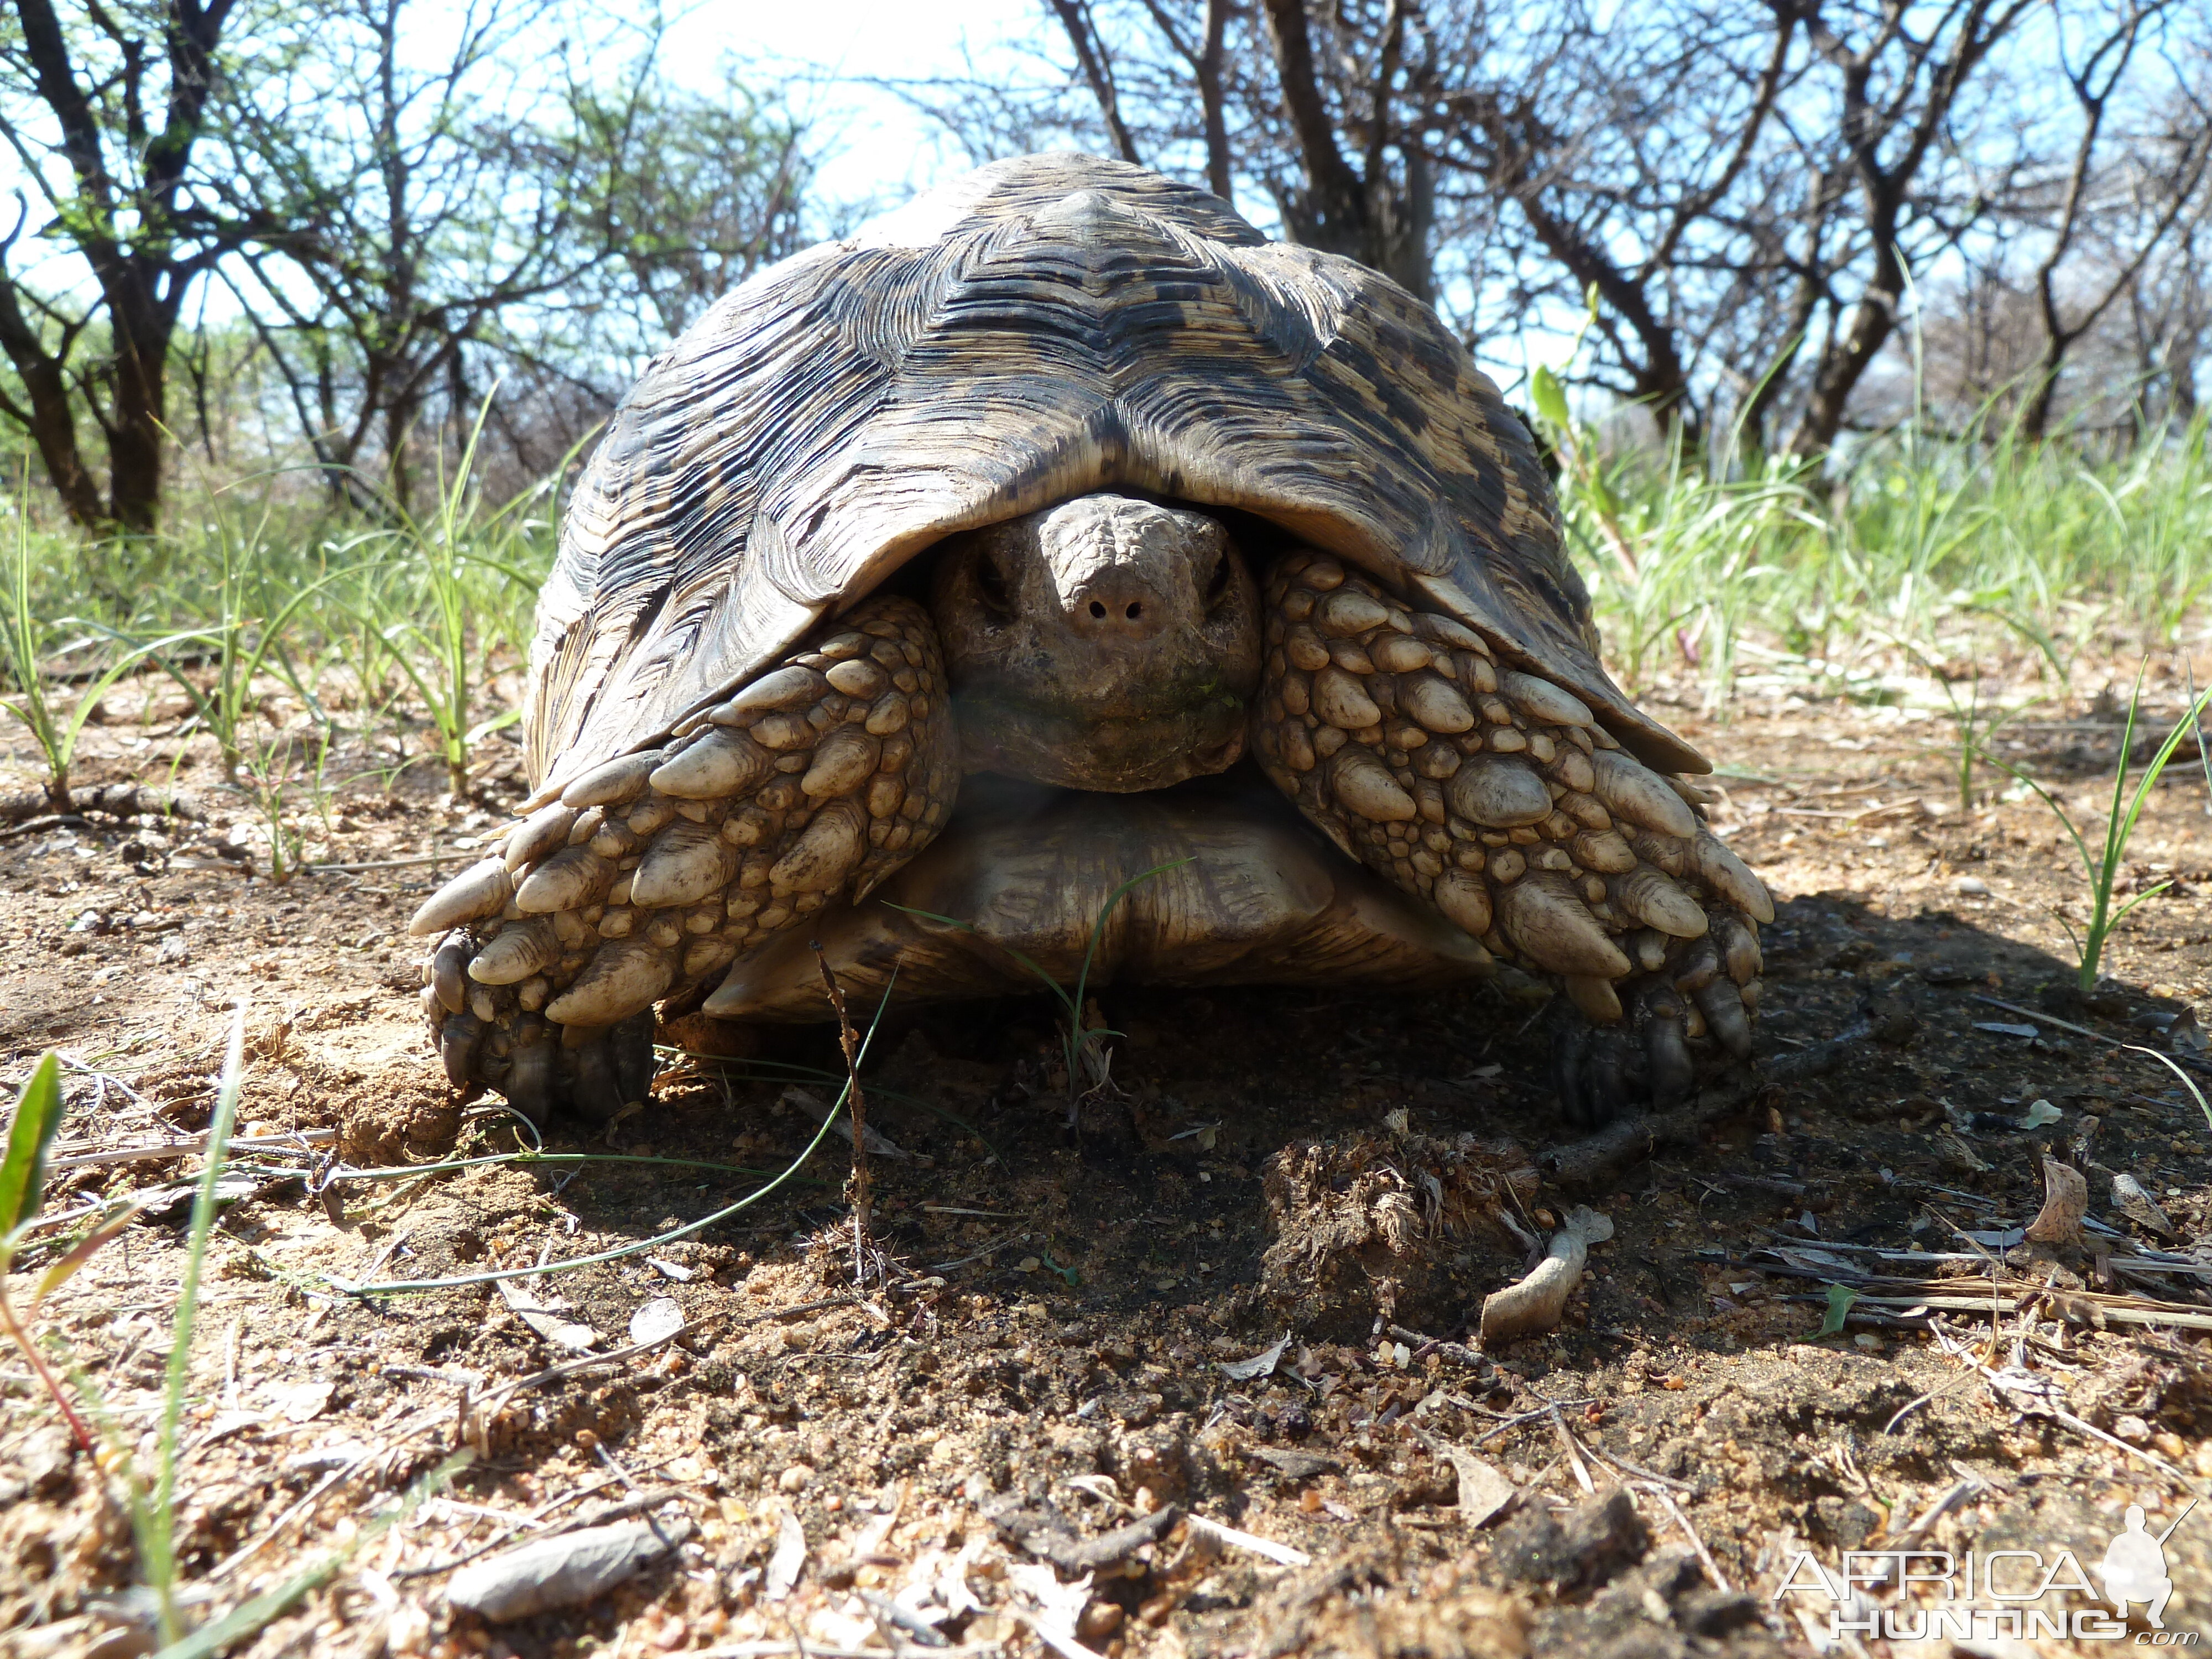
x=1105 y=643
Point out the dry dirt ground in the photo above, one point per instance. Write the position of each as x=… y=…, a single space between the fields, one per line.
x=1017 y=1431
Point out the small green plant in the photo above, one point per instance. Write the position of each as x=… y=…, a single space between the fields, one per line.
x=2102 y=865
x=459 y=550
x=1974 y=722
x=54 y=727
x=1083 y=1036
x=257 y=604
x=31 y=1129
x=31 y=1132
x=274 y=765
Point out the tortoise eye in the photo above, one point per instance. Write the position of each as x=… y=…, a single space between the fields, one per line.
x=991 y=586
x=1220 y=586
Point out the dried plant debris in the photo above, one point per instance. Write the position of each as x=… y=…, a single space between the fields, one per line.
x=2130 y=1198
x=1368 y=1224
x=543 y=1316
x=1260 y=1364
x=1484 y=1490
x=1044 y=1531
x=656 y=1321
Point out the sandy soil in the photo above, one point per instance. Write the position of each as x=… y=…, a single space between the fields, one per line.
x=1018 y=1428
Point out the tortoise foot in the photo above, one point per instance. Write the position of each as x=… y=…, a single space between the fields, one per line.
x=1680 y=1024
x=1498 y=798
x=654 y=872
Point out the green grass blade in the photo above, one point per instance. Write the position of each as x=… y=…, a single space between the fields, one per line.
x=159 y=1546
x=1106 y=912
x=31 y=1130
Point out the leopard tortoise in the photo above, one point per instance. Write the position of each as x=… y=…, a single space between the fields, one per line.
x=1058 y=526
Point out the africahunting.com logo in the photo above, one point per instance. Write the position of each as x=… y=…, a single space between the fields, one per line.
x=1939 y=1594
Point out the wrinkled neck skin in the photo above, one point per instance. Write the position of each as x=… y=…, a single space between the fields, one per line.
x=1106 y=643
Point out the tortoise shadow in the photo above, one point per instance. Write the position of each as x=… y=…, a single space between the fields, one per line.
x=1172 y=1200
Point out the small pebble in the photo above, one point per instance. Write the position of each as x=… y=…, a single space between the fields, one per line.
x=1971 y=886
x=1099 y=1619
x=798 y=1477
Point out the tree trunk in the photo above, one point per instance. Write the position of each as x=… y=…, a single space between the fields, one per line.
x=1846 y=359
x=137 y=434
x=1330 y=213
x=49 y=419
x=1211 y=101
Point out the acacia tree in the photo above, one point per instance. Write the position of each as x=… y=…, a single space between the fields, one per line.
x=1898 y=74
x=108 y=106
x=406 y=152
x=1750 y=188
x=472 y=200
x=2126 y=192
x=691 y=194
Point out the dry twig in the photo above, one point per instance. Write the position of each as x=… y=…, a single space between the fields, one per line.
x=856 y=1190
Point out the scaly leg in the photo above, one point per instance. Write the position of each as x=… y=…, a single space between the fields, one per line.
x=657 y=870
x=1496 y=796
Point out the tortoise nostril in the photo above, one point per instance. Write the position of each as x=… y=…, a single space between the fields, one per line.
x=1119 y=607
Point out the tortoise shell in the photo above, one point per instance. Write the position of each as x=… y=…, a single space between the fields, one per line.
x=1041 y=328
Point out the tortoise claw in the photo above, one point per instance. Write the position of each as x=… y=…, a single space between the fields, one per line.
x=534 y=1076
x=448 y=968
x=1593 y=1070
x=1722 y=1004
x=457 y=1047
x=631 y=1044
x=1673 y=1074
x=1673 y=1019
x=596 y=1095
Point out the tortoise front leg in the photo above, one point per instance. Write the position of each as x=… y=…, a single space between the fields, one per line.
x=658 y=870
x=1496 y=796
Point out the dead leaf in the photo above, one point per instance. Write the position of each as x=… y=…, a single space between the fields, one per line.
x=301 y=1402
x=1058 y=1605
x=656 y=1321
x=2130 y=1198
x=2066 y=1199
x=1260 y=1364
x=539 y=1315
x=1484 y=1490
x=783 y=1566
x=566 y=1571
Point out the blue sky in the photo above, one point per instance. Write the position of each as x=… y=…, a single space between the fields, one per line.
x=883 y=148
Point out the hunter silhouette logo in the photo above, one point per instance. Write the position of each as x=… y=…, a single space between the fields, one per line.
x=1920 y=1595
x=2135 y=1567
